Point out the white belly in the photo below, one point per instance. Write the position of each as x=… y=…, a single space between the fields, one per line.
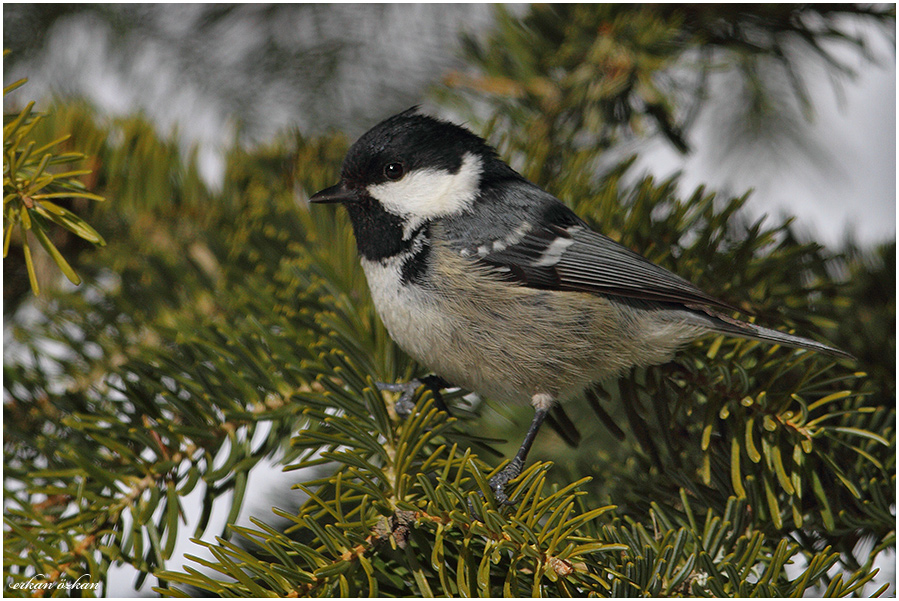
x=476 y=343
x=513 y=342
x=411 y=316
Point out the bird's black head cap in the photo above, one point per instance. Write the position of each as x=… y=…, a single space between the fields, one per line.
x=414 y=140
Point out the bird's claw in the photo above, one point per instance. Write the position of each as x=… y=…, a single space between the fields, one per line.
x=503 y=477
x=498 y=484
x=404 y=405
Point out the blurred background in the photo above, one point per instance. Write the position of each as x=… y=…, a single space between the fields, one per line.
x=800 y=108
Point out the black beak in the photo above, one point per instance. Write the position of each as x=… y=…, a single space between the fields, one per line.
x=336 y=193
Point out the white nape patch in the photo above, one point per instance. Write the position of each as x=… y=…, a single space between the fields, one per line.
x=429 y=193
x=554 y=252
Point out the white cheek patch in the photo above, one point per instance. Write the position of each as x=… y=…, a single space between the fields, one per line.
x=430 y=193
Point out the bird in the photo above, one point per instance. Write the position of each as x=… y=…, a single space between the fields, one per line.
x=498 y=287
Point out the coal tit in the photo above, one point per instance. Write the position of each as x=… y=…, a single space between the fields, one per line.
x=498 y=287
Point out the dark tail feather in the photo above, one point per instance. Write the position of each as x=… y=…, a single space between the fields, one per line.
x=733 y=327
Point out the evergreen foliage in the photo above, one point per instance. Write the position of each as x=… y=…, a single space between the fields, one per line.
x=592 y=75
x=30 y=180
x=221 y=329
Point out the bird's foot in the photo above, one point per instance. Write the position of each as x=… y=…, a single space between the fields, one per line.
x=404 y=405
x=498 y=485
x=503 y=477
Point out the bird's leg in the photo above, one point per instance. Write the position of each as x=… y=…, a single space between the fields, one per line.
x=404 y=404
x=542 y=403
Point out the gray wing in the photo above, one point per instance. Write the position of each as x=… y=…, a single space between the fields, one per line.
x=527 y=235
x=558 y=251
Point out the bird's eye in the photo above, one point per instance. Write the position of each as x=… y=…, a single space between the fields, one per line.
x=394 y=171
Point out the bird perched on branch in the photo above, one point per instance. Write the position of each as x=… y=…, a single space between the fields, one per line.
x=497 y=286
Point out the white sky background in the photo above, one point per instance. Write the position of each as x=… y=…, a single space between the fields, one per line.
x=853 y=186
